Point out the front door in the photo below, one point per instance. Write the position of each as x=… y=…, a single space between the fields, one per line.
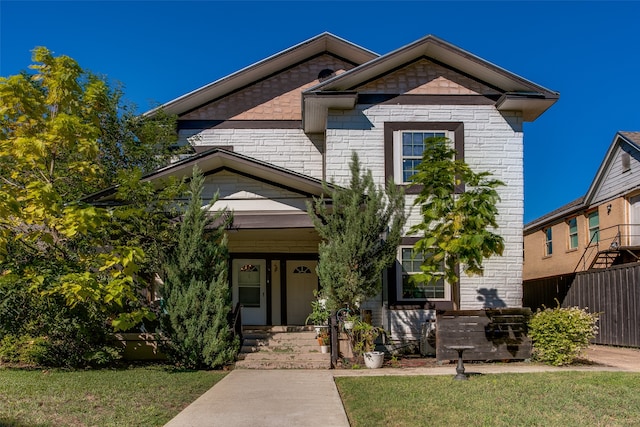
x=249 y=288
x=302 y=280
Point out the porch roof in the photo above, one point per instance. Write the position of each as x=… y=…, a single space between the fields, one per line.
x=217 y=159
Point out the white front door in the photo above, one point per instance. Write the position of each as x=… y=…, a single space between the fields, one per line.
x=634 y=221
x=302 y=280
x=249 y=288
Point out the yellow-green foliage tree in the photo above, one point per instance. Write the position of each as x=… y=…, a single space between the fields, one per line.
x=64 y=134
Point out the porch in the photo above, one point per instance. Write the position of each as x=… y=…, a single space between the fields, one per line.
x=273 y=275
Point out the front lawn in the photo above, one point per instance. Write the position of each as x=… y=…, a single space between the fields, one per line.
x=542 y=399
x=144 y=396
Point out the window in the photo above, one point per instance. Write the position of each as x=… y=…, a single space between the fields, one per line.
x=573 y=233
x=548 y=244
x=625 y=159
x=249 y=285
x=410 y=148
x=594 y=227
x=401 y=167
x=409 y=290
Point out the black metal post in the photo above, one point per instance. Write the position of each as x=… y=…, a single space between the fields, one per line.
x=333 y=326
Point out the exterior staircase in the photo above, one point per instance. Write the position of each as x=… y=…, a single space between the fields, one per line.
x=281 y=347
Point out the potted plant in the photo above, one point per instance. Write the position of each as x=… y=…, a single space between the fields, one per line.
x=319 y=316
x=364 y=337
x=349 y=322
x=324 y=340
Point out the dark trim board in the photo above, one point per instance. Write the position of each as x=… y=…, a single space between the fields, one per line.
x=238 y=124
x=404 y=99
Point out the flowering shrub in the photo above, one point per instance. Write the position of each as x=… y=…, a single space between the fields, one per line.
x=560 y=334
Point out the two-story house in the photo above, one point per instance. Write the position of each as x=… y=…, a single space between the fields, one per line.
x=267 y=136
x=587 y=253
x=598 y=230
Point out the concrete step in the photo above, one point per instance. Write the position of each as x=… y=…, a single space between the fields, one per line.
x=280 y=336
x=285 y=357
x=281 y=347
x=281 y=364
x=278 y=328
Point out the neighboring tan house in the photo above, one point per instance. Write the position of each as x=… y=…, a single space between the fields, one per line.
x=599 y=230
x=268 y=135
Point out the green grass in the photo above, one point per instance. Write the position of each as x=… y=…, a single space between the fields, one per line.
x=543 y=399
x=143 y=396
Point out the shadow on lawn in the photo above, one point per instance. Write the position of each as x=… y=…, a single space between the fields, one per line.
x=13 y=422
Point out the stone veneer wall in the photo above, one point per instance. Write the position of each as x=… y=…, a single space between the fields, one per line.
x=287 y=148
x=493 y=142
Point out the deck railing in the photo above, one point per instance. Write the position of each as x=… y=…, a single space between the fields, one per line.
x=610 y=239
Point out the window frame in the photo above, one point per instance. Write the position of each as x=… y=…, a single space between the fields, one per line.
x=456 y=130
x=401 y=273
x=398 y=150
x=593 y=229
x=571 y=234
x=548 y=241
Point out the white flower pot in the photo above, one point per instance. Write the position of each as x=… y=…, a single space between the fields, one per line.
x=374 y=359
x=348 y=325
x=324 y=349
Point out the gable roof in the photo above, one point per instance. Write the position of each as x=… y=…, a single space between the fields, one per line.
x=217 y=159
x=518 y=93
x=631 y=140
x=322 y=43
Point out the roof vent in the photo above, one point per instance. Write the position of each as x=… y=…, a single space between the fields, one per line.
x=326 y=74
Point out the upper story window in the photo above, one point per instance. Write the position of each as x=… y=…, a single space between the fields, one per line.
x=625 y=160
x=404 y=145
x=573 y=233
x=410 y=145
x=594 y=227
x=408 y=290
x=548 y=241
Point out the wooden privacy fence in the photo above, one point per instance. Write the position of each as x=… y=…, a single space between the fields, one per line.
x=614 y=292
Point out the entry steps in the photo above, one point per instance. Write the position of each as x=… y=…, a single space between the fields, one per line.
x=281 y=347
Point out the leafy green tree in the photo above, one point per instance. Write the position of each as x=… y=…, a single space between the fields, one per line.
x=455 y=228
x=361 y=228
x=196 y=288
x=61 y=128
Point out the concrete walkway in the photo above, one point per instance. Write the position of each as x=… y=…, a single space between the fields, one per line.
x=309 y=397
x=277 y=398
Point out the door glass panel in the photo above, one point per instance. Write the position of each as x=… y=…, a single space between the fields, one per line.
x=249 y=285
x=249 y=297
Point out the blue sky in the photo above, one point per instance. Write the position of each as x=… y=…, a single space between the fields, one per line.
x=159 y=50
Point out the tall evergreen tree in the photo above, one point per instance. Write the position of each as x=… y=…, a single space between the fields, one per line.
x=196 y=292
x=361 y=229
